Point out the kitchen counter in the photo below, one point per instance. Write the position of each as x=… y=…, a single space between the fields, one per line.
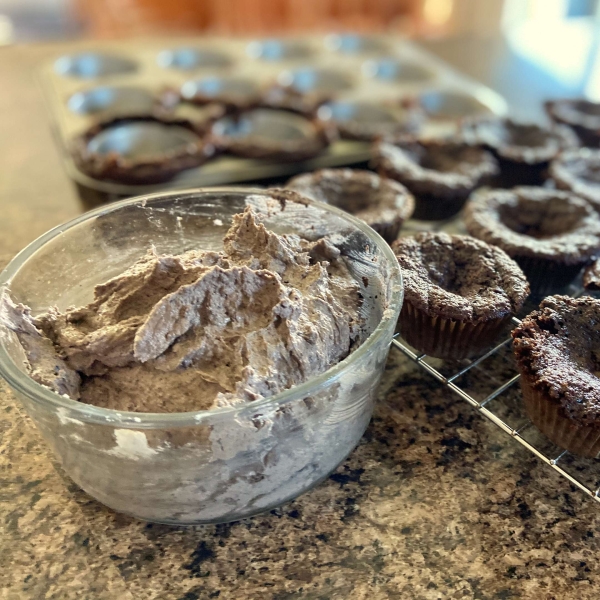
x=434 y=503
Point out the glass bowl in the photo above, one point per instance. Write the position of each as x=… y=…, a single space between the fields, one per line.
x=206 y=466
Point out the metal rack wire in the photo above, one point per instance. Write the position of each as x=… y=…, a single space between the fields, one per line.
x=582 y=473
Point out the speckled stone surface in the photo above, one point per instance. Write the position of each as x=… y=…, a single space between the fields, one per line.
x=435 y=503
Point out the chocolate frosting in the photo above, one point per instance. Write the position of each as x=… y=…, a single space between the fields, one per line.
x=443 y=168
x=578 y=171
x=525 y=143
x=378 y=201
x=535 y=222
x=459 y=277
x=557 y=348
x=202 y=329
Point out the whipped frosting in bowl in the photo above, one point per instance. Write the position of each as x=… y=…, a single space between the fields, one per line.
x=224 y=409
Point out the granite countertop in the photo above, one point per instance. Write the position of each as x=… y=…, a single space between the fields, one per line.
x=434 y=503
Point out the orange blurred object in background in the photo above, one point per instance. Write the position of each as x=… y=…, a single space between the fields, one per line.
x=109 y=18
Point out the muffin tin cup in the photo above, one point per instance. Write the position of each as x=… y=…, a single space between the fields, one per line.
x=549 y=417
x=297 y=73
x=92 y=65
x=448 y=338
x=547 y=276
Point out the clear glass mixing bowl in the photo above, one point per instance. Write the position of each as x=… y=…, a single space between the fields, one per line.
x=207 y=466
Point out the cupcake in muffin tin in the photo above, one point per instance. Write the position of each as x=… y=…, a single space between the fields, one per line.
x=459 y=293
x=141 y=150
x=551 y=234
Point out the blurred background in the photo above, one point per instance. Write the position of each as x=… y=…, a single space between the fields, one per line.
x=556 y=42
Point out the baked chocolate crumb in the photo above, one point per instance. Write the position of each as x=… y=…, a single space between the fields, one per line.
x=558 y=349
x=459 y=277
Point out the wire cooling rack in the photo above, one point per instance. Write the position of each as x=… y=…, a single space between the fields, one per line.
x=490 y=385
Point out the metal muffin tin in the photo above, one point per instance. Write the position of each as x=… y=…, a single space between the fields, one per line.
x=123 y=79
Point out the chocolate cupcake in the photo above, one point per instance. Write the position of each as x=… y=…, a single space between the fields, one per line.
x=382 y=203
x=285 y=98
x=440 y=173
x=557 y=350
x=141 y=150
x=459 y=293
x=524 y=151
x=281 y=135
x=582 y=116
x=368 y=121
x=591 y=276
x=578 y=171
x=550 y=233
x=233 y=92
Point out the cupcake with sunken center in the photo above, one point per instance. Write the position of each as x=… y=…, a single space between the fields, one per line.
x=551 y=234
x=582 y=116
x=557 y=350
x=172 y=145
x=382 y=203
x=440 y=173
x=459 y=293
x=368 y=121
x=523 y=150
x=578 y=171
x=271 y=134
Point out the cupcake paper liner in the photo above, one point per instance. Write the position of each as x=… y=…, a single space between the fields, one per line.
x=389 y=231
x=429 y=207
x=550 y=419
x=547 y=276
x=515 y=173
x=448 y=338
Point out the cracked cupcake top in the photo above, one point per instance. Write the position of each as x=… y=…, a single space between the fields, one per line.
x=459 y=277
x=558 y=348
